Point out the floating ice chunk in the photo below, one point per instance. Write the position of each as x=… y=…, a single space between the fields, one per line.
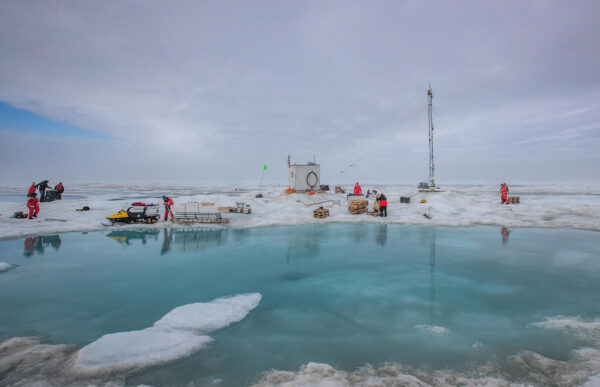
x=431 y=329
x=138 y=349
x=206 y=317
x=6 y=266
x=477 y=345
x=587 y=330
x=174 y=336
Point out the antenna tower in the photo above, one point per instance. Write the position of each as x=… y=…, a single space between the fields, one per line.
x=430 y=115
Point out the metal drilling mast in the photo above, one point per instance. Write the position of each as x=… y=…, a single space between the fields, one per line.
x=431 y=167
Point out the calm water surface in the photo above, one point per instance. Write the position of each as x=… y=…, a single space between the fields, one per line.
x=342 y=294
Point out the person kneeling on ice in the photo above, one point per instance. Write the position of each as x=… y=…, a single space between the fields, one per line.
x=503 y=193
x=34 y=206
x=60 y=188
x=168 y=202
x=31 y=190
x=357 y=189
x=383 y=205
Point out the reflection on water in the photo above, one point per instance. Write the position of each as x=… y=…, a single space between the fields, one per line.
x=381 y=235
x=181 y=240
x=126 y=236
x=305 y=244
x=504 y=231
x=299 y=244
x=37 y=245
x=195 y=240
x=432 y=299
x=167 y=239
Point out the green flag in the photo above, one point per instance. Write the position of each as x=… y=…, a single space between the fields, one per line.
x=265 y=168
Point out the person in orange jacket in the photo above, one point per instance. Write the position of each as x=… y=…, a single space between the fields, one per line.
x=168 y=202
x=503 y=193
x=34 y=206
x=383 y=205
x=357 y=189
x=31 y=190
x=60 y=188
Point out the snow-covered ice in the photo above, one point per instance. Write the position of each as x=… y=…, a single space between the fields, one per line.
x=137 y=349
x=207 y=317
x=6 y=266
x=573 y=206
x=431 y=329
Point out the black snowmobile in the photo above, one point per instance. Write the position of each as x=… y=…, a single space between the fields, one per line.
x=51 y=196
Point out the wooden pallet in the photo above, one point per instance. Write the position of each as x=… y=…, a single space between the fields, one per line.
x=358 y=206
x=321 y=213
x=514 y=199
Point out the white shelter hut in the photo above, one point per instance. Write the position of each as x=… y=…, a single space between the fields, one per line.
x=304 y=177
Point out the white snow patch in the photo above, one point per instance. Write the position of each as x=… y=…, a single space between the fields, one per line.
x=6 y=266
x=431 y=329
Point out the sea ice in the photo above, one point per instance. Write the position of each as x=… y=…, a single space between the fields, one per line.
x=207 y=317
x=541 y=206
x=6 y=266
x=431 y=329
x=138 y=349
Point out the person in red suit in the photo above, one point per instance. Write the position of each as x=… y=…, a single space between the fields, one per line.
x=34 y=206
x=60 y=188
x=357 y=189
x=168 y=202
x=503 y=193
x=31 y=190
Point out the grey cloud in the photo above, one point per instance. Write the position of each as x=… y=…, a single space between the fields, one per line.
x=232 y=85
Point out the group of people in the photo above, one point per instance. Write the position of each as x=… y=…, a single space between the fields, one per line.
x=58 y=190
x=380 y=199
x=33 y=203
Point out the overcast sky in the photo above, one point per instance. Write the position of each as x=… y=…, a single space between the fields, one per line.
x=213 y=90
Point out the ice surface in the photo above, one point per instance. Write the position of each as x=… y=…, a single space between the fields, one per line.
x=575 y=325
x=6 y=266
x=431 y=329
x=174 y=336
x=523 y=368
x=138 y=349
x=207 y=317
x=541 y=206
